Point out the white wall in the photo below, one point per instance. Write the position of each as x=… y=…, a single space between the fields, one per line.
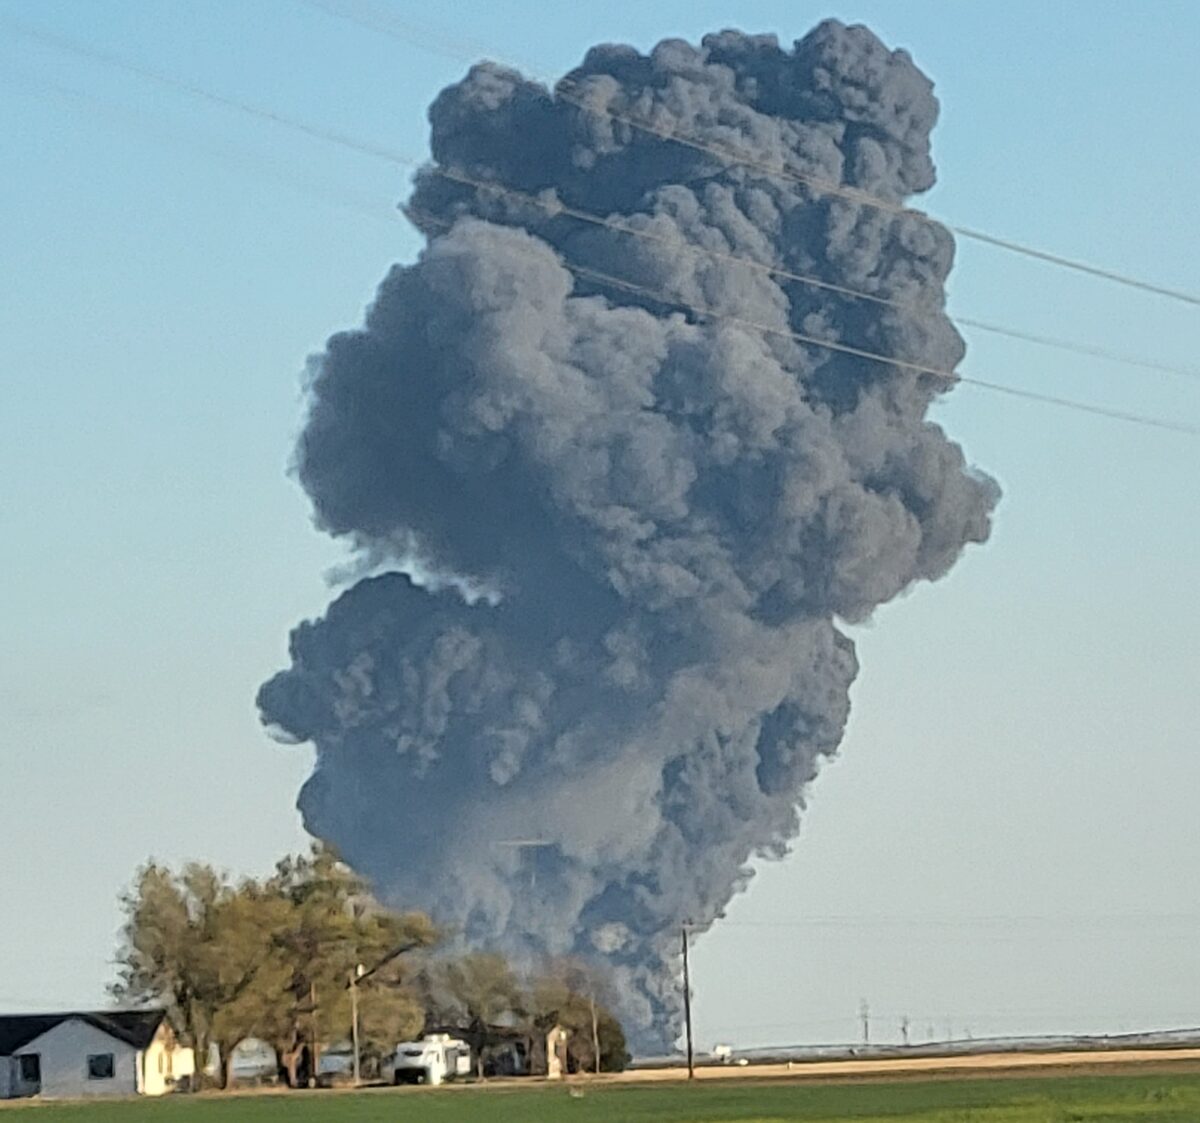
x=64 y=1051
x=11 y=1085
x=164 y=1063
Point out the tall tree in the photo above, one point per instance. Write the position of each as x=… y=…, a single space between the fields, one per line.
x=200 y=946
x=336 y=926
x=155 y=957
x=576 y=996
x=388 y=1014
x=252 y=925
x=481 y=994
x=269 y=959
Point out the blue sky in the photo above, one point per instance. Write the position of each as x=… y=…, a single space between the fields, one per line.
x=1009 y=840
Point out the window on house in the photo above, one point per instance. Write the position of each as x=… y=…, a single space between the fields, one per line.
x=31 y=1068
x=100 y=1066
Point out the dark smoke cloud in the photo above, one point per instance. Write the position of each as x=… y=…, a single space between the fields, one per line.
x=670 y=513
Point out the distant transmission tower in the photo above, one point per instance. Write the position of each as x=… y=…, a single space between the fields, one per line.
x=904 y=1029
x=864 y=1015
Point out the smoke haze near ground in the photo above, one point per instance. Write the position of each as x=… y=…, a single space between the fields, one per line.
x=634 y=532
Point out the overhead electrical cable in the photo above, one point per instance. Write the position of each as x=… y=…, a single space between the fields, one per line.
x=556 y=207
x=375 y=19
x=872 y=356
x=948 y=376
x=243 y=159
x=386 y=153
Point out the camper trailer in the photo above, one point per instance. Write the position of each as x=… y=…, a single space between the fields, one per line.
x=432 y=1060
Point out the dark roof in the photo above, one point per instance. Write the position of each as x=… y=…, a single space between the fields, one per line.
x=496 y=1032
x=134 y=1027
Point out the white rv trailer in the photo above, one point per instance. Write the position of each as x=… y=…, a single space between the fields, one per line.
x=435 y=1058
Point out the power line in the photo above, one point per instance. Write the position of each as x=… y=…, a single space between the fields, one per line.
x=871 y=356
x=236 y=156
x=926 y=921
x=857 y=352
x=412 y=34
x=435 y=40
x=332 y=136
x=1077 y=348
x=992 y=1016
x=556 y=207
x=344 y=140
x=1073 y=263
x=385 y=23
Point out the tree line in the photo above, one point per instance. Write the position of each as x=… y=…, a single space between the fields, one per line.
x=273 y=959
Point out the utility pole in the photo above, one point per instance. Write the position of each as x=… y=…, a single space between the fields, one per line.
x=687 y=1004
x=357 y=975
x=904 y=1029
x=315 y=1052
x=864 y=1014
x=354 y=1022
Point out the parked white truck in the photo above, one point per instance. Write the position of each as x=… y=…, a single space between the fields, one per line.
x=432 y=1060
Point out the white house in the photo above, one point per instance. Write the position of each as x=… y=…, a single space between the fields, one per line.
x=78 y=1055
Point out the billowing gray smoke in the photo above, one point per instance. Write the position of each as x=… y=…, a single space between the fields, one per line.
x=669 y=511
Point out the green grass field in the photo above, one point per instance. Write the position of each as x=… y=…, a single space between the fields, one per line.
x=1150 y=1098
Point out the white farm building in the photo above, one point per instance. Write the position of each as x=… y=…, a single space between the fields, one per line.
x=80 y=1055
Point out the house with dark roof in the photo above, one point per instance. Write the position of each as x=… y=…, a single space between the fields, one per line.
x=78 y=1055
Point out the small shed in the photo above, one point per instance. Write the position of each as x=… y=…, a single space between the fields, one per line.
x=556 y=1053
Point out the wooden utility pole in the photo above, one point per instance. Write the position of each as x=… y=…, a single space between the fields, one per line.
x=687 y=1005
x=358 y=975
x=354 y=1022
x=315 y=1052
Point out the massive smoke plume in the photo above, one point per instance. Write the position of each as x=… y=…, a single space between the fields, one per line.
x=662 y=515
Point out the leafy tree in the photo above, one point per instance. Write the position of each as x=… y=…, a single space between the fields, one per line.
x=610 y=1036
x=158 y=959
x=252 y=926
x=575 y=995
x=387 y=1014
x=268 y=959
x=198 y=945
x=337 y=926
x=480 y=992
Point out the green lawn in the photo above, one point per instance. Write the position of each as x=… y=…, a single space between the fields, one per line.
x=1152 y=1098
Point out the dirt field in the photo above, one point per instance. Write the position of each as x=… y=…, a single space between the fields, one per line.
x=896 y=1067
